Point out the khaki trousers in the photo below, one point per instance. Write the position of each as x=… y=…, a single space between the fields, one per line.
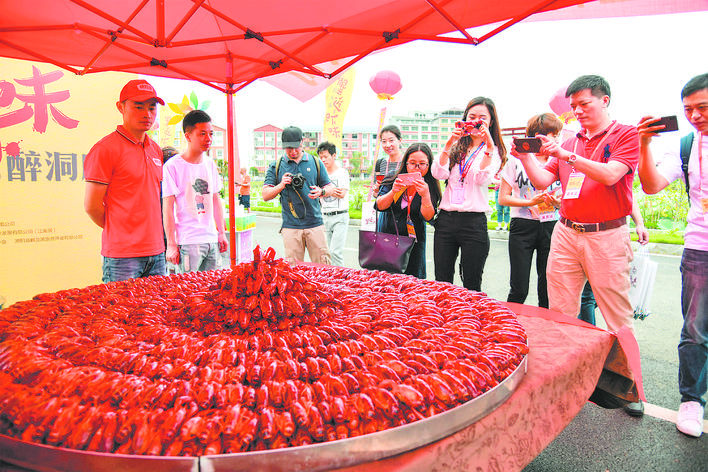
x=602 y=258
x=312 y=239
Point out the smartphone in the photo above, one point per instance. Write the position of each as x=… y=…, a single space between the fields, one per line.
x=528 y=145
x=670 y=124
x=468 y=126
x=409 y=179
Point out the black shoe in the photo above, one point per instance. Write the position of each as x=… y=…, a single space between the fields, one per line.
x=635 y=409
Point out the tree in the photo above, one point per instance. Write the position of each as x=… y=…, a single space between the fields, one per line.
x=253 y=171
x=355 y=163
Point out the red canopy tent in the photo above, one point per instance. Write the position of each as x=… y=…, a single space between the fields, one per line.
x=229 y=44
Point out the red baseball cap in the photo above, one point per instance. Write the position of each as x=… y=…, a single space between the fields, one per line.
x=139 y=91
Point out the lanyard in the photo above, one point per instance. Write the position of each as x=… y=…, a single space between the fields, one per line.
x=599 y=146
x=700 y=163
x=468 y=163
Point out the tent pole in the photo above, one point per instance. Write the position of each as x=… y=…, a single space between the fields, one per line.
x=231 y=157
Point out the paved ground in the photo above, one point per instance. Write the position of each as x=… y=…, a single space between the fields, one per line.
x=598 y=439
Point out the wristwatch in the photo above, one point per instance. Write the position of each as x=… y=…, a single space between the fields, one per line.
x=323 y=191
x=572 y=158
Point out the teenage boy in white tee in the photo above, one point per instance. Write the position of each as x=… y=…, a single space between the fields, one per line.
x=335 y=206
x=193 y=214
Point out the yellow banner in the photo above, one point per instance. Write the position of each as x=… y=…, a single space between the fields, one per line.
x=338 y=96
x=49 y=119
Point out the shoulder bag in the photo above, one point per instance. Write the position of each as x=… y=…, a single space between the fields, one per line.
x=383 y=251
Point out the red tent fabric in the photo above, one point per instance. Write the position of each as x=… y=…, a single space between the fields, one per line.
x=228 y=44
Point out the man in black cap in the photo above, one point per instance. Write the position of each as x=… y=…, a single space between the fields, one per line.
x=300 y=179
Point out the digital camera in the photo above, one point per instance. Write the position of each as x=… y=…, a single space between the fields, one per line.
x=468 y=126
x=298 y=181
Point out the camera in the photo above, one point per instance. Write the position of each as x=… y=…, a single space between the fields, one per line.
x=468 y=126
x=297 y=181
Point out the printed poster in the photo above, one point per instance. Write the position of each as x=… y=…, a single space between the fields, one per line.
x=49 y=119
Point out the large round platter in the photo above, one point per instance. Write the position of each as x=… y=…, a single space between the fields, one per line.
x=315 y=457
x=266 y=367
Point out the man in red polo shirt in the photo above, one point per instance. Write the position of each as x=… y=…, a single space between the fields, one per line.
x=123 y=173
x=591 y=239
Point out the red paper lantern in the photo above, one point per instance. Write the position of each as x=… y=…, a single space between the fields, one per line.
x=385 y=83
x=559 y=103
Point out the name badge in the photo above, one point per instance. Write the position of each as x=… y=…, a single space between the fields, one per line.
x=575 y=183
x=458 y=195
x=410 y=227
x=546 y=212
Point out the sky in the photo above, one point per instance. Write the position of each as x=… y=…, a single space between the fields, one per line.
x=646 y=60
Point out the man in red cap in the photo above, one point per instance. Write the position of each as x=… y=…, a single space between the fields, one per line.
x=123 y=173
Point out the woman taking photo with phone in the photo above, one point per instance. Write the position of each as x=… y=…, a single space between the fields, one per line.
x=533 y=214
x=413 y=194
x=472 y=156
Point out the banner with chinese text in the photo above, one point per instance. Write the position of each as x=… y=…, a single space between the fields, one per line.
x=337 y=100
x=49 y=119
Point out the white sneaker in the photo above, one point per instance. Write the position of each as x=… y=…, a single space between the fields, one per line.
x=690 y=419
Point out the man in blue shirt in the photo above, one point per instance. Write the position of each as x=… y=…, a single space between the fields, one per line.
x=300 y=180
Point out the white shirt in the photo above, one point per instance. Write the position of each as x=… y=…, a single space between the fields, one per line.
x=475 y=186
x=330 y=203
x=515 y=175
x=193 y=186
x=696 y=235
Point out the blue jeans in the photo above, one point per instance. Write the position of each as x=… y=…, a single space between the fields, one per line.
x=124 y=268
x=693 y=347
x=503 y=212
x=198 y=257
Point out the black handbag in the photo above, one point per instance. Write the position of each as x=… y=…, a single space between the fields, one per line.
x=384 y=251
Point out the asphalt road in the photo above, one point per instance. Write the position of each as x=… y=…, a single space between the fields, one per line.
x=598 y=439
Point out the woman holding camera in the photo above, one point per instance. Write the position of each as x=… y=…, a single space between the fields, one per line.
x=413 y=195
x=473 y=154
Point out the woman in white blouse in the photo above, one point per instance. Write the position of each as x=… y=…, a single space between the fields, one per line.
x=472 y=156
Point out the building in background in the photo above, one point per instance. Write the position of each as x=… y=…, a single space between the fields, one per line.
x=359 y=144
x=431 y=128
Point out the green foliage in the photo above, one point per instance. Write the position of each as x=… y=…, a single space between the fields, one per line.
x=664 y=214
x=666 y=210
x=253 y=171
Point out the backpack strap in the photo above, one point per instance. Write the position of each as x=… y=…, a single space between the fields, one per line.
x=686 y=144
x=317 y=164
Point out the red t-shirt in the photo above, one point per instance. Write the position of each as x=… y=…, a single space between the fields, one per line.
x=132 y=171
x=598 y=202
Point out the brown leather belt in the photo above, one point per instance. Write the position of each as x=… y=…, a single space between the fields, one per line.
x=593 y=227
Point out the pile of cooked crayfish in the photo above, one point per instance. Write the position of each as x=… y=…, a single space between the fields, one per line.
x=264 y=356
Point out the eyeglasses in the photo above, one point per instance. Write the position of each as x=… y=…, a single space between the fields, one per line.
x=422 y=165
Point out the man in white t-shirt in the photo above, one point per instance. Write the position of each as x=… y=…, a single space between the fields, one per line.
x=193 y=214
x=693 y=346
x=335 y=206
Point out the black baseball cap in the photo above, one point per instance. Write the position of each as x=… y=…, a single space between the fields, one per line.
x=291 y=137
